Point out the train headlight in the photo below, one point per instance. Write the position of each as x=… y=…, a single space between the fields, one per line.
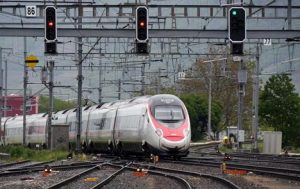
x=186 y=132
x=159 y=132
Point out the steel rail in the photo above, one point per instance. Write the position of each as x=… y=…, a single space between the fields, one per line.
x=293 y=174
x=258 y=155
x=14 y=163
x=220 y=179
x=41 y=168
x=111 y=177
x=240 y=159
x=69 y=180
x=185 y=183
x=35 y=164
x=249 y=167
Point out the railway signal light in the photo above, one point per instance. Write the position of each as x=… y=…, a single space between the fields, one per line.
x=142 y=24
x=50 y=24
x=237 y=25
x=142 y=29
x=50 y=30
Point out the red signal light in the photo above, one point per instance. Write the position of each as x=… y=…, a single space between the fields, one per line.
x=142 y=24
x=50 y=24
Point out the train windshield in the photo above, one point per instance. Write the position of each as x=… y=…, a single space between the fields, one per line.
x=168 y=113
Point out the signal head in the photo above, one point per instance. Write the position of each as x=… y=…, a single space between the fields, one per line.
x=142 y=24
x=50 y=24
x=237 y=25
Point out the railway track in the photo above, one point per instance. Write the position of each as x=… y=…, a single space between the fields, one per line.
x=101 y=174
x=12 y=164
x=81 y=172
x=41 y=167
x=291 y=174
x=290 y=161
x=90 y=173
x=225 y=183
x=133 y=167
x=207 y=147
x=110 y=172
x=268 y=162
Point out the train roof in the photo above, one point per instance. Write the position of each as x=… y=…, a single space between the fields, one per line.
x=122 y=103
x=108 y=105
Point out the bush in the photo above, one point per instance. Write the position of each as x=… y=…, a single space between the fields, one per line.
x=24 y=153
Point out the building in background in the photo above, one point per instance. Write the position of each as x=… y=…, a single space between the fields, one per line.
x=14 y=105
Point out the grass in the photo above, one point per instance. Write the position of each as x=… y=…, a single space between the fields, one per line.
x=18 y=153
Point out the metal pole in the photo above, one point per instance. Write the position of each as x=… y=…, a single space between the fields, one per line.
x=119 y=90
x=50 y=108
x=1 y=88
x=5 y=101
x=80 y=79
x=209 y=102
x=159 y=81
x=143 y=79
x=289 y=14
x=255 y=100
x=242 y=81
x=25 y=90
x=100 y=79
x=239 y=116
x=5 y=86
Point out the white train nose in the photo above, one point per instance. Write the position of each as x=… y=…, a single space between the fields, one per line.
x=173 y=145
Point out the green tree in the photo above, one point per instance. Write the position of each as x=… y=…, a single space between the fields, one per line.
x=224 y=85
x=197 y=107
x=279 y=108
x=57 y=104
x=216 y=119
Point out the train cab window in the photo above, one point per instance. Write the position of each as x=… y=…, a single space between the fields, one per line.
x=168 y=113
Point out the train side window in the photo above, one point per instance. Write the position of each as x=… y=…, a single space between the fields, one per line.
x=102 y=124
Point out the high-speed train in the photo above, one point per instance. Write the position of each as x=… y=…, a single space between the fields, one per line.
x=156 y=124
